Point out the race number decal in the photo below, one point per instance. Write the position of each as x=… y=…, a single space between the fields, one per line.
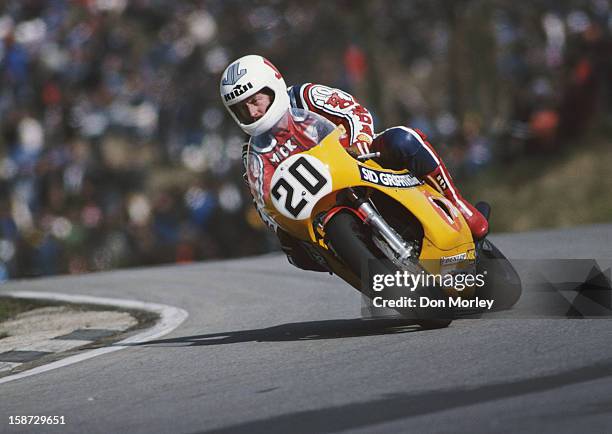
x=298 y=184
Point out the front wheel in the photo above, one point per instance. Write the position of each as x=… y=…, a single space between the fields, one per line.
x=351 y=243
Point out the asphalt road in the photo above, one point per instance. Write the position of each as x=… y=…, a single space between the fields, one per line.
x=268 y=348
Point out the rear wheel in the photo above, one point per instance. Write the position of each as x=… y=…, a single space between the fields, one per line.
x=351 y=242
x=503 y=284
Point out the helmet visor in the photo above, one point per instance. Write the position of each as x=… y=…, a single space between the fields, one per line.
x=253 y=108
x=241 y=111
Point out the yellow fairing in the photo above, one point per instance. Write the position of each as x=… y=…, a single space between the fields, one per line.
x=444 y=236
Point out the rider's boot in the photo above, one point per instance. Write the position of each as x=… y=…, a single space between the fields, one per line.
x=441 y=180
x=402 y=148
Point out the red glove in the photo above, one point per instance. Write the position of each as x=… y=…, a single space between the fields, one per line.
x=361 y=146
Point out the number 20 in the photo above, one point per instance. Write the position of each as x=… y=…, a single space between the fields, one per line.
x=313 y=189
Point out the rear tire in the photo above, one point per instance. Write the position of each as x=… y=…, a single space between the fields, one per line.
x=350 y=241
x=503 y=284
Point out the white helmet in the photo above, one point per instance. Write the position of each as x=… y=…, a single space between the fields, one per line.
x=245 y=77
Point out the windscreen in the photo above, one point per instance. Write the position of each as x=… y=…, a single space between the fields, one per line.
x=306 y=129
x=299 y=130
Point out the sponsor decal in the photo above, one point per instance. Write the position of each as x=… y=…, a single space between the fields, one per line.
x=441 y=182
x=336 y=101
x=386 y=179
x=237 y=91
x=448 y=260
x=362 y=114
x=282 y=151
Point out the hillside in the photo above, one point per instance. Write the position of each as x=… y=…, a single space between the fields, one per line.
x=569 y=188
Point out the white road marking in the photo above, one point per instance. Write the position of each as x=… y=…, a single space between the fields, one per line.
x=54 y=345
x=170 y=318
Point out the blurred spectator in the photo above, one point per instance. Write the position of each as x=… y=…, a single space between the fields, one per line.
x=115 y=151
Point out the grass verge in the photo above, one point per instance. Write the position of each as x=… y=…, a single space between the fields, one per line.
x=10 y=307
x=566 y=188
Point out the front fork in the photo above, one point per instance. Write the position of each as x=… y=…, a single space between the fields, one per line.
x=366 y=211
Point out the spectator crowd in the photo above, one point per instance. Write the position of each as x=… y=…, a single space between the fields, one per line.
x=115 y=150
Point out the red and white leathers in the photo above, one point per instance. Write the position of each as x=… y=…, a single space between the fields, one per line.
x=400 y=147
x=340 y=108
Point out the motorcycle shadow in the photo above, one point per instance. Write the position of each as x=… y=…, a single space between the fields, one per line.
x=310 y=330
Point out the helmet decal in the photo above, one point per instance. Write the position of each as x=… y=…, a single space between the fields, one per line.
x=233 y=74
x=277 y=74
x=237 y=91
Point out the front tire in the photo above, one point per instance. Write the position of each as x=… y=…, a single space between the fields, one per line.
x=351 y=242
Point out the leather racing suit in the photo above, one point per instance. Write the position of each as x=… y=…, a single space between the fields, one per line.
x=400 y=148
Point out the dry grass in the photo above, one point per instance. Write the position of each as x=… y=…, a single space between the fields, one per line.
x=10 y=307
x=571 y=188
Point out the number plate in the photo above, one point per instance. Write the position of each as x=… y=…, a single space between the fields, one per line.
x=298 y=184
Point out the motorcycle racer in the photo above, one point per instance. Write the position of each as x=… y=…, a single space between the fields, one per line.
x=256 y=96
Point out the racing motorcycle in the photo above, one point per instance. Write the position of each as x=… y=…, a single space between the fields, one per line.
x=360 y=220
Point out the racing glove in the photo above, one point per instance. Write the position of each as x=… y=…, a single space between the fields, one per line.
x=361 y=146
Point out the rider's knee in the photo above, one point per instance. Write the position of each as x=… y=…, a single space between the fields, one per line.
x=403 y=141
